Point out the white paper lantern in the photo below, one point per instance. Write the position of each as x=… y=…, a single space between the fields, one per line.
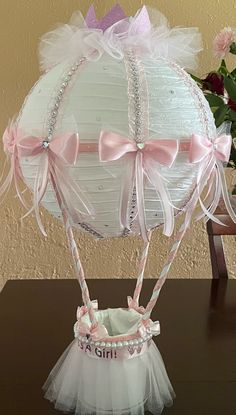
x=101 y=96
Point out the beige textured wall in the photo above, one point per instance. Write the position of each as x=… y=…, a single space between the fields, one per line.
x=24 y=253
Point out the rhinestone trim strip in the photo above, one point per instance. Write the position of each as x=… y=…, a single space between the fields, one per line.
x=138 y=118
x=135 y=110
x=90 y=230
x=52 y=122
x=66 y=81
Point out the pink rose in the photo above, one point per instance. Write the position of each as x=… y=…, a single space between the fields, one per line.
x=223 y=41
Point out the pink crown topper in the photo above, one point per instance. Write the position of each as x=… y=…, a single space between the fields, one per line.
x=114 y=15
x=138 y=25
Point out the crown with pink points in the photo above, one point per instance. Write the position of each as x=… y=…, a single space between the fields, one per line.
x=114 y=15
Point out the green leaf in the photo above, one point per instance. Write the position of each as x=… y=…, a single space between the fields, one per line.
x=230 y=87
x=223 y=64
x=233 y=48
x=214 y=100
x=234 y=191
x=220 y=114
x=223 y=71
x=233 y=73
x=232 y=115
x=196 y=79
x=233 y=130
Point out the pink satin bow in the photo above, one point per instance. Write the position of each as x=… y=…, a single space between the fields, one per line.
x=210 y=155
x=99 y=332
x=149 y=327
x=201 y=147
x=65 y=146
x=146 y=159
x=55 y=155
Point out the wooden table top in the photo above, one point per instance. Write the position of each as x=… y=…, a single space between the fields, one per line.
x=197 y=341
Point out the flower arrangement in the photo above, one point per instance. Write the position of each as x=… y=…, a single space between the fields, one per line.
x=219 y=87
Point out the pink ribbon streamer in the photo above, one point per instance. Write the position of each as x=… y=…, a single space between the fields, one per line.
x=211 y=155
x=54 y=157
x=14 y=174
x=146 y=160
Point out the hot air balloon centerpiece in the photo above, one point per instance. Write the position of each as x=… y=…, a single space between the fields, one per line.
x=116 y=139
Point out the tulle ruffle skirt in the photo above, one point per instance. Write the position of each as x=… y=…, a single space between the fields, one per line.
x=86 y=385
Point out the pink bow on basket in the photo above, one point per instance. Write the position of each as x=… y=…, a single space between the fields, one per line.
x=146 y=160
x=210 y=155
x=99 y=332
x=149 y=327
x=55 y=155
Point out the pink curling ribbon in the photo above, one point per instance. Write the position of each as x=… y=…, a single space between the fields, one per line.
x=133 y=305
x=211 y=155
x=10 y=148
x=146 y=160
x=98 y=332
x=149 y=327
x=55 y=155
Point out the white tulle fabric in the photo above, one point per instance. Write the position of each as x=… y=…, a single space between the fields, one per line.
x=148 y=32
x=86 y=386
